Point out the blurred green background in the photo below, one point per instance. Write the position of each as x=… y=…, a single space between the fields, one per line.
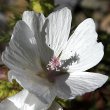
x=11 y=11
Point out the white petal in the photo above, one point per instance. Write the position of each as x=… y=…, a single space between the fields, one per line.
x=55 y=106
x=83 y=43
x=7 y=105
x=78 y=83
x=22 y=51
x=19 y=99
x=23 y=101
x=43 y=89
x=58 y=29
x=24 y=98
x=88 y=59
x=36 y=23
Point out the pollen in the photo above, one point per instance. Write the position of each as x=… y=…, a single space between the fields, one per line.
x=54 y=64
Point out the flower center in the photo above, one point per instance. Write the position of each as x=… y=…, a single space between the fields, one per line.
x=57 y=67
x=54 y=64
x=53 y=68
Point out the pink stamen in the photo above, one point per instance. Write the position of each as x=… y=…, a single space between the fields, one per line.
x=54 y=64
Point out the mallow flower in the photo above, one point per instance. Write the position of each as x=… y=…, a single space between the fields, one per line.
x=47 y=62
x=27 y=101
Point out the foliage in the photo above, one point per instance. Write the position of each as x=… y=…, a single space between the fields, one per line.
x=8 y=89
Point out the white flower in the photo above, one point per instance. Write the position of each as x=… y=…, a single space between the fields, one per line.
x=47 y=62
x=26 y=101
x=65 y=3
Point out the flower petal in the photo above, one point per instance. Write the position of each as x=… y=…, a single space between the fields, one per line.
x=22 y=51
x=7 y=105
x=88 y=59
x=23 y=101
x=83 y=43
x=43 y=89
x=36 y=23
x=55 y=106
x=78 y=83
x=58 y=29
